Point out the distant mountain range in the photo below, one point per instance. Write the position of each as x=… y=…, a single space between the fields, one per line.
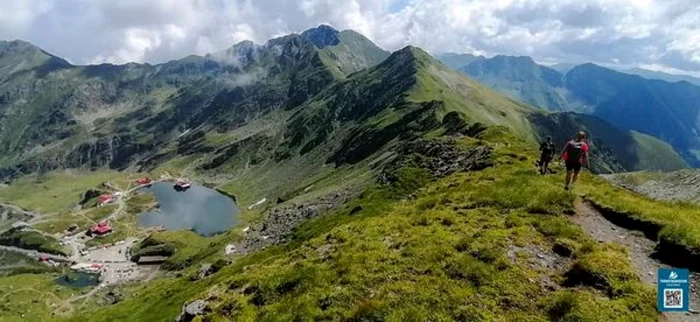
x=669 y=111
x=672 y=78
x=285 y=108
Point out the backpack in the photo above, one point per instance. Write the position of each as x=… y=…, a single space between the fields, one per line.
x=574 y=150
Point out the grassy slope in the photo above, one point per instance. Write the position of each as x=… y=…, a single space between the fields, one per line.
x=655 y=154
x=32 y=297
x=613 y=150
x=33 y=240
x=55 y=191
x=494 y=196
x=13 y=263
x=461 y=94
x=679 y=221
x=455 y=252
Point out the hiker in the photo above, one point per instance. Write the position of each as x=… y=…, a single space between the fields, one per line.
x=575 y=154
x=547 y=148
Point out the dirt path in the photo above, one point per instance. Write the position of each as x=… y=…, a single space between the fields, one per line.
x=640 y=251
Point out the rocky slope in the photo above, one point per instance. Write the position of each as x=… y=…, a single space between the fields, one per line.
x=444 y=201
x=55 y=115
x=683 y=185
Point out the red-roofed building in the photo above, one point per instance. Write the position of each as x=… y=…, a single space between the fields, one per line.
x=43 y=258
x=143 y=181
x=105 y=199
x=101 y=229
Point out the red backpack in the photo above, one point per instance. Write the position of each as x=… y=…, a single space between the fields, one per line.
x=574 y=150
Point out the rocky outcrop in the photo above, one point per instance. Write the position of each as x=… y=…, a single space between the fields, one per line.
x=682 y=185
x=10 y=213
x=279 y=223
x=440 y=157
x=193 y=309
x=89 y=195
x=115 y=152
x=205 y=270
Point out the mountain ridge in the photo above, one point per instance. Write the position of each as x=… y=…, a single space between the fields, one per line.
x=665 y=110
x=373 y=187
x=133 y=116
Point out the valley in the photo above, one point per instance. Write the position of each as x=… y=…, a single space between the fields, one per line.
x=328 y=179
x=663 y=109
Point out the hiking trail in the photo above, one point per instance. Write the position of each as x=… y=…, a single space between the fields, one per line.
x=640 y=250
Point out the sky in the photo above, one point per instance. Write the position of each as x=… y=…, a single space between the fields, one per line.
x=661 y=35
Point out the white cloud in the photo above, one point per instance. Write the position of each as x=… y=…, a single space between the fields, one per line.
x=633 y=32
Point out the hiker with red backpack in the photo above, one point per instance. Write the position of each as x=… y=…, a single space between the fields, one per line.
x=575 y=155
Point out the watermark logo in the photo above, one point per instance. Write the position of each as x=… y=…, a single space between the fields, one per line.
x=672 y=275
x=674 y=289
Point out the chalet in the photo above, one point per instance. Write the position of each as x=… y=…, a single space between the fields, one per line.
x=143 y=181
x=101 y=229
x=105 y=199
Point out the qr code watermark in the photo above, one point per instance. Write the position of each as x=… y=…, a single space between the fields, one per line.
x=673 y=298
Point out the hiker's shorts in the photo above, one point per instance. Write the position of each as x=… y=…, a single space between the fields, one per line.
x=573 y=165
x=545 y=157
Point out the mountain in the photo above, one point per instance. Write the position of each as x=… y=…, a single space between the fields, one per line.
x=54 y=115
x=383 y=181
x=291 y=95
x=671 y=78
x=668 y=111
x=18 y=56
x=457 y=61
x=562 y=67
x=520 y=78
x=615 y=150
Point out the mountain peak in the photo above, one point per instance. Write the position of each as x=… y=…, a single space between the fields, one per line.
x=322 y=36
x=19 y=47
x=411 y=52
x=19 y=55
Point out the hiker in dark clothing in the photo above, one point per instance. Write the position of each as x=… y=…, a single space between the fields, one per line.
x=575 y=155
x=547 y=148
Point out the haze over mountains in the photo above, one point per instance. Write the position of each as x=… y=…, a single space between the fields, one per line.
x=669 y=111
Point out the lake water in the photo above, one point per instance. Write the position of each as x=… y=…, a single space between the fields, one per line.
x=78 y=279
x=204 y=210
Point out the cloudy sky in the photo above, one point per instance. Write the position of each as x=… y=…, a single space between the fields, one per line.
x=655 y=34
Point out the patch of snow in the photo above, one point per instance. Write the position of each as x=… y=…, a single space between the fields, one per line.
x=260 y=202
x=184 y=133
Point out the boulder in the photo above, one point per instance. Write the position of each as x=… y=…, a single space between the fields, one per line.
x=205 y=270
x=193 y=309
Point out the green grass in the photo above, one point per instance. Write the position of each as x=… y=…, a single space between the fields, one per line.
x=55 y=191
x=457 y=251
x=32 y=240
x=33 y=297
x=653 y=153
x=184 y=248
x=13 y=263
x=679 y=221
x=84 y=219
